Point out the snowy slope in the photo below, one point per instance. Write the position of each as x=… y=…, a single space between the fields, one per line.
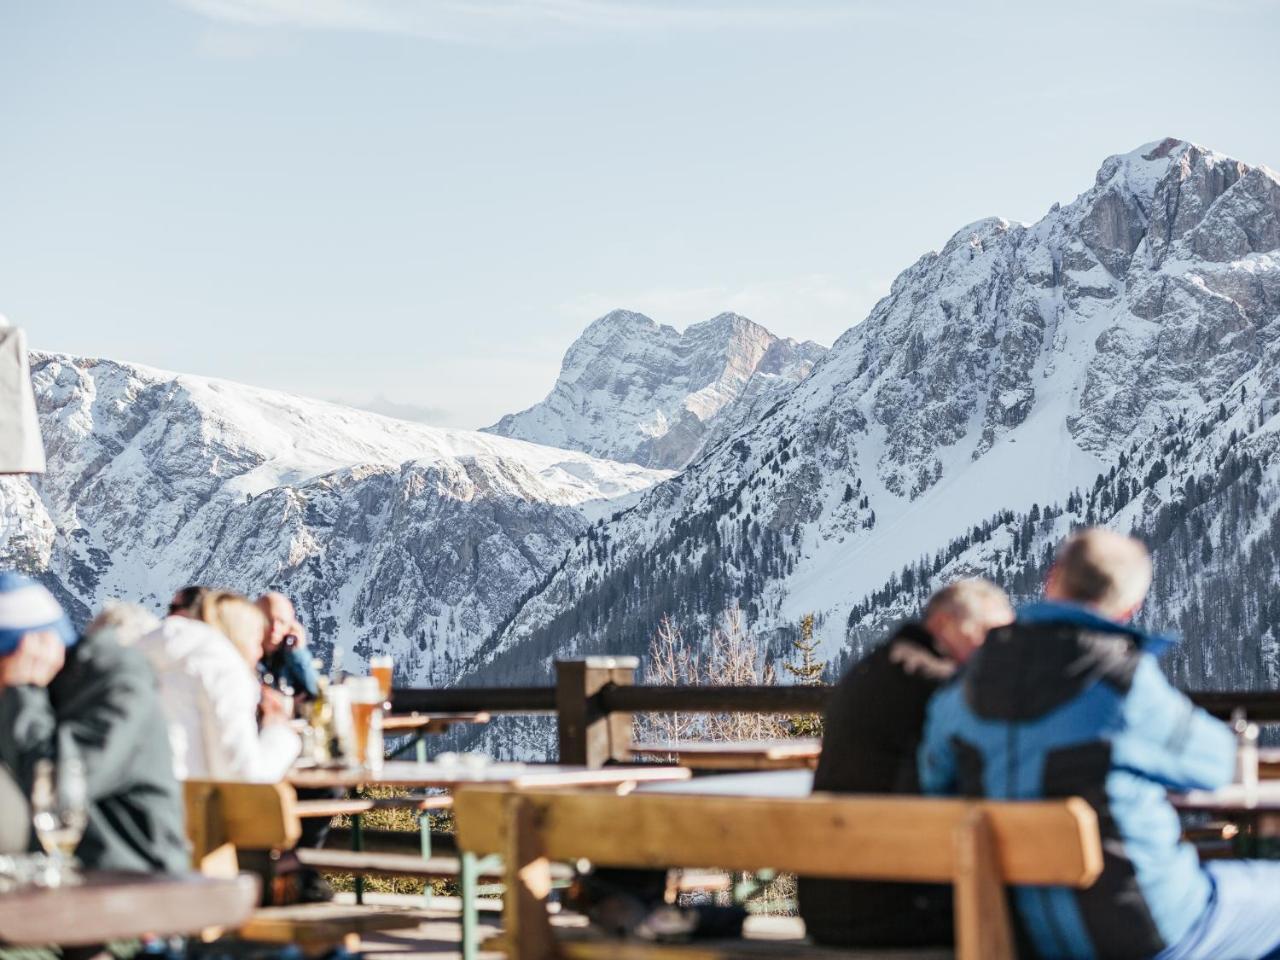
x=390 y=534
x=632 y=390
x=1009 y=368
x=1204 y=493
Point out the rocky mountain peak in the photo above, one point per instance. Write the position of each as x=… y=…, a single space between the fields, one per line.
x=1010 y=367
x=633 y=390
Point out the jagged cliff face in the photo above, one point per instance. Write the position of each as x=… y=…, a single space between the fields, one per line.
x=390 y=536
x=1009 y=368
x=634 y=391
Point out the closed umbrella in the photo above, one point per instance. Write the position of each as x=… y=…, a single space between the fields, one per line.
x=21 y=449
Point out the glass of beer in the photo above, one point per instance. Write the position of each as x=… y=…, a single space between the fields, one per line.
x=366 y=721
x=382 y=668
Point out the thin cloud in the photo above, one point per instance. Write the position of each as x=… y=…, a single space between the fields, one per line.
x=472 y=20
x=220 y=42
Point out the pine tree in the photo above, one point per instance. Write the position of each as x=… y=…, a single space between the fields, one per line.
x=809 y=672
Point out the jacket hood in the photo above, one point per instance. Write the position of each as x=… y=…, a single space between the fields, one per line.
x=1047 y=657
x=1053 y=611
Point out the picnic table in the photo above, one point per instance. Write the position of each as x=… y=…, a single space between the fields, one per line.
x=114 y=905
x=415 y=727
x=736 y=754
x=401 y=723
x=399 y=773
x=411 y=774
x=1254 y=813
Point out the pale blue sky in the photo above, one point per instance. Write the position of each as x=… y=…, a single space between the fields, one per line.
x=427 y=201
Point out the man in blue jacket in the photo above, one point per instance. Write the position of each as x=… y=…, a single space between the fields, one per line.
x=1069 y=701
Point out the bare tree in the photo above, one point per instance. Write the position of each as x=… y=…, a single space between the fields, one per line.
x=670 y=663
x=735 y=660
x=732 y=658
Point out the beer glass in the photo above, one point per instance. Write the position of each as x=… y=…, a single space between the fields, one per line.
x=366 y=721
x=382 y=668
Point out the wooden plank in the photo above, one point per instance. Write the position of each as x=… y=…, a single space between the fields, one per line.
x=587 y=944
x=403 y=773
x=321 y=923
x=737 y=755
x=328 y=809
x=771 y=749
x=771 y=783
x=345 y=808
x=983 y=931
x=881 y=838
x=429 y=722
x=249 y=816
x=366 y=864
x=528 y=883
x=588 y=733
x=124 y=906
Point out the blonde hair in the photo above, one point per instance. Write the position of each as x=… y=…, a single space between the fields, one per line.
x=237 y=618
x=1103 y=569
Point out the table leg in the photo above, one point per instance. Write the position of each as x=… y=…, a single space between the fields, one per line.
x=467 y=883
x=424 y=840
x=357 y=844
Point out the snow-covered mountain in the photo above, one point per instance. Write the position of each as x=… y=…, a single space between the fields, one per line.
x=632 y=390
x=1011 y=368
x=390 y=535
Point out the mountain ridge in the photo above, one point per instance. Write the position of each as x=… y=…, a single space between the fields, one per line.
x=1011 y=366
x=389 y=535
x=634 y=390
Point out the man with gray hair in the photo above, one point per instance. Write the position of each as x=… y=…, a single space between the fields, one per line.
x=872 y=728
x=1070 y=701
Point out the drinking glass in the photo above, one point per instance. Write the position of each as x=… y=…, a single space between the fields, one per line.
x=59 y=813
x=382 y=667
x=366 y=721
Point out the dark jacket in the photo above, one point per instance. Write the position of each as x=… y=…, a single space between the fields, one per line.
x=291 y=666
x=15 y=817
x=871 y=733
x=103 y=705
x=1066 y=703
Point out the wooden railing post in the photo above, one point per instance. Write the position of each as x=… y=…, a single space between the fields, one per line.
x=589 y=736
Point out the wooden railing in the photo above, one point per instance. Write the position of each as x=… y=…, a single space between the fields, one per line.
x=594 y=699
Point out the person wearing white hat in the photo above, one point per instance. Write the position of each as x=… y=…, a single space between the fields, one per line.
x=95 y=700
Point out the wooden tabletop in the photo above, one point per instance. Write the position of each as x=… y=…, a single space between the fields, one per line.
x=779 y=784
x=398 y=773
x=1269 y=763
x=123 y=906
x=398 y=723
x=799 y=754
x=1232 y=799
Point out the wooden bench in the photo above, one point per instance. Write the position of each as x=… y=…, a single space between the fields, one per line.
x=355 y=806
x=224 y=818
x=977 y=846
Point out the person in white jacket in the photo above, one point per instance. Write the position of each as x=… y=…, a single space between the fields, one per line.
x=210 y=691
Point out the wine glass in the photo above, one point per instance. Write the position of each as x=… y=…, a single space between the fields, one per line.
x=59 y=813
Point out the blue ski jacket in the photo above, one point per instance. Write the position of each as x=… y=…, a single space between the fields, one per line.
x=1063 y=703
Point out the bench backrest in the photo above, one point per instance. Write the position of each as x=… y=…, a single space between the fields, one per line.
x=1052 y=842
x=223 y=817
x=978 y=846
